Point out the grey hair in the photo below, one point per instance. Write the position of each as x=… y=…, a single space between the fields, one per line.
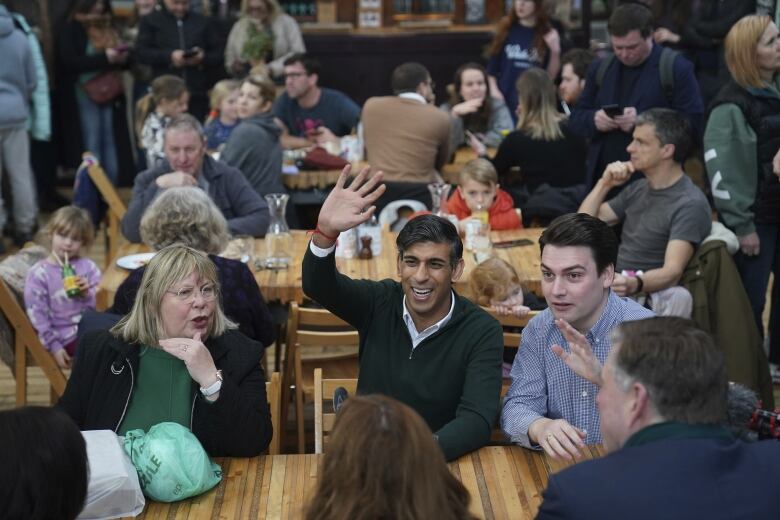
x=670 y=128
x=186 y=215
x=144 y=323
x=185 y=123
x=622 y=378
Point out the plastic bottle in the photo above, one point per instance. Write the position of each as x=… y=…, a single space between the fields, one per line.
x=70 y=281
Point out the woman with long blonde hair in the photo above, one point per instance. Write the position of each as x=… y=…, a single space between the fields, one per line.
x=383 y=462
x=544 y=151
x=741 y=143
x=174 y=357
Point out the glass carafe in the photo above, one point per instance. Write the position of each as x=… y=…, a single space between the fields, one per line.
x=439 y=193
x=278 y=241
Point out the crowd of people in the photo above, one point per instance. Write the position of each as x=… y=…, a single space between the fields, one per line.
x=627 y=349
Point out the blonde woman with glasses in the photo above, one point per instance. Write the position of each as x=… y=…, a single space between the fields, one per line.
x=175 y=357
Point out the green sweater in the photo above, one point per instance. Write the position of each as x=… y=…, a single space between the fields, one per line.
x=453 y=377
x=732 y=163
x=163 y=392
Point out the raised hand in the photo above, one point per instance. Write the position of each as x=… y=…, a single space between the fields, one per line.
x=348 y=207
x=553 y=41
x=580 y=359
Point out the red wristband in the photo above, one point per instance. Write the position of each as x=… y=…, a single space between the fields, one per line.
x=318 y=231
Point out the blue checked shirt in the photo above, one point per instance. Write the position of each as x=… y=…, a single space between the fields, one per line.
x=542 y=384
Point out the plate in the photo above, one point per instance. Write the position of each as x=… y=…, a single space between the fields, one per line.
x=134 y=261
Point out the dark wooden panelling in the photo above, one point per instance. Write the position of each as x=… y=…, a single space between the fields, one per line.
x=361 y=65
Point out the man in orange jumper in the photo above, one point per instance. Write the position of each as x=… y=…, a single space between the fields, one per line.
x=478 y=190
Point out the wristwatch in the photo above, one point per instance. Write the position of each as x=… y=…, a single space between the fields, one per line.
x=640 y=284
x=214 y=388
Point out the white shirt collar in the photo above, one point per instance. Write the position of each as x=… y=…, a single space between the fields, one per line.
x=418 y=337
x=413 y=95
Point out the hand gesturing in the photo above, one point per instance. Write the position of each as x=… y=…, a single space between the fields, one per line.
x=581 y=360
x=348 y=207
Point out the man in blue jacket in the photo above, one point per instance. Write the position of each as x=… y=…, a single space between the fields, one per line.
x=631 y=83
x=663 y=405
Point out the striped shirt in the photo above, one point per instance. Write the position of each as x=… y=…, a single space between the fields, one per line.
x=542 y=384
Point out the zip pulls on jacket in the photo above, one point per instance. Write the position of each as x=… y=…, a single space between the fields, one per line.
x=130 y=395
x=182 y=45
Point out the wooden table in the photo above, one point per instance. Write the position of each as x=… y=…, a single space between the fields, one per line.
x=504 y=482
x=285 y=285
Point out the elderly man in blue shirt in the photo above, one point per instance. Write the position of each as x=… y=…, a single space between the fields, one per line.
x=548 y=406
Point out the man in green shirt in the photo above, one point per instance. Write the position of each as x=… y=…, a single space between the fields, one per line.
x=420 y=342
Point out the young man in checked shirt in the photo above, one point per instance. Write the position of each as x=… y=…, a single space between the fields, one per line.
x=548 y=406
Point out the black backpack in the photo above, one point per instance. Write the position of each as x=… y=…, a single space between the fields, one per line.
x=665 y=67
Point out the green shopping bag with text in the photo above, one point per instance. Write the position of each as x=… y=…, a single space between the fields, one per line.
x=171 y=463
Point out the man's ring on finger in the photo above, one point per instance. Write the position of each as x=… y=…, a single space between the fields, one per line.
x=184 y=347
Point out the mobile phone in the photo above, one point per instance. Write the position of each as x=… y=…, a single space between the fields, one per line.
x=513 y=243
x=189 y=53
x=612 y=110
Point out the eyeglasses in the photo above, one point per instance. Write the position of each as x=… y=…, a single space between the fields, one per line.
x=294 y=75
x=187 y=294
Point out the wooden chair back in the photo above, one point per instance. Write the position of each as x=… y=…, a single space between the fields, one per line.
x=273 y=392
x=28 y=350
x=116 y=208
x=512 y=339
x=323 y=390
x=313 y=327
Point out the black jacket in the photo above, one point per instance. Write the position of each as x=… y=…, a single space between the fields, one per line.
x=160 y=33
x=238 y=424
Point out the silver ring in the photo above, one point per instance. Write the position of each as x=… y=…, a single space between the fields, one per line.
x=184 y=347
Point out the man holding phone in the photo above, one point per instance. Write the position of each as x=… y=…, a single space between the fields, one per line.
x=173 y=40
x=607 y=109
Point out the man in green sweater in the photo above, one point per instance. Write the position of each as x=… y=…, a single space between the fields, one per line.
x=420 y=342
